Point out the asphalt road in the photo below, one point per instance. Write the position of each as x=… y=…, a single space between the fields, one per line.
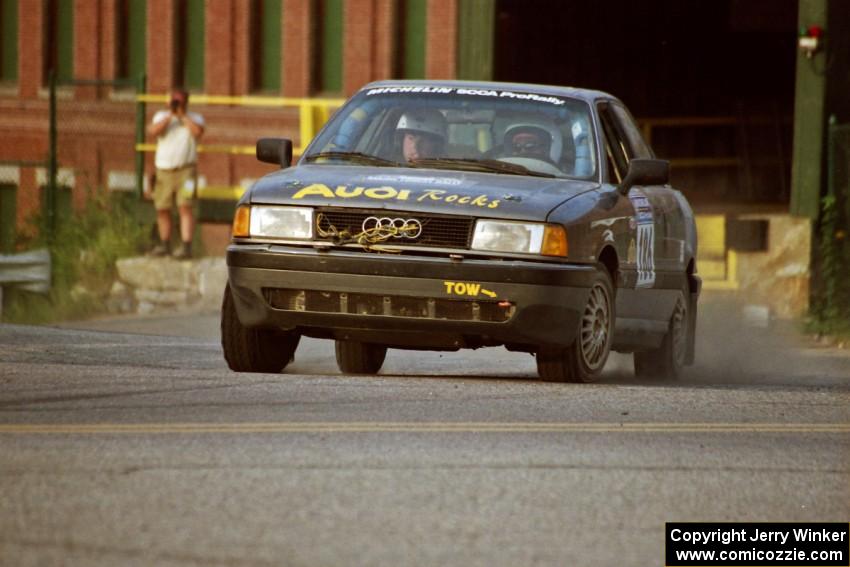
x=130 y=443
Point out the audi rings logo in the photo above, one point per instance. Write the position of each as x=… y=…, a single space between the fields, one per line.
x=397 y=228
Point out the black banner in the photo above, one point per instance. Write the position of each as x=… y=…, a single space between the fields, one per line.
x=694 y=544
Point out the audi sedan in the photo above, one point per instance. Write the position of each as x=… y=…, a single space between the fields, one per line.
x=448 y=215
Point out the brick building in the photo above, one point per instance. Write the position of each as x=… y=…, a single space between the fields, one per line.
x=290 y=48
x=713 y=82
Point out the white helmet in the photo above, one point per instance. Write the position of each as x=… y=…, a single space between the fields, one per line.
x=424 y=121
x=548 y=133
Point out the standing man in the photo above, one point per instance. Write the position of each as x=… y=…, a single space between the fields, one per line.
x=177 y=132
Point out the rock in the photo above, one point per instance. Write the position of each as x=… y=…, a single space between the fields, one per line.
x=145 y=308
x=793 y=270
x=120 y=299
x=778 y=278
x=81 y=293
x=155 y=284
x=155 y=273
x=167 y=297
x=119 y=289
x=212 y=278
x=756 y=316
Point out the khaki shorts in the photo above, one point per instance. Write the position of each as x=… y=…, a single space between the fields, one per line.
x=182 y=183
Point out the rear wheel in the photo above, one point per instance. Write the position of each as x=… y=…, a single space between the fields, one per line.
x=668 y=360
x=253 y=350
x=584 y=360
x=353 y=357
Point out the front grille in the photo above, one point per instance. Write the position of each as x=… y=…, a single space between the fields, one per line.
x=437 y=231
x=313 y=301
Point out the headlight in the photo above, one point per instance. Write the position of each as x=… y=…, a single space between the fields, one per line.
x=274 y=222
x=520 y=237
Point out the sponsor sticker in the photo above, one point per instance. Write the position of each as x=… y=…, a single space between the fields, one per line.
x=384 y=193
x=645 y=238
x=466 y=91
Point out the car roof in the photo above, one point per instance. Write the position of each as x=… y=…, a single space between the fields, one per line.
x=588 y=95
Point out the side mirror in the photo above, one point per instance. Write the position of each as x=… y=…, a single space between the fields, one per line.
x=645 y=172
x=275 y=150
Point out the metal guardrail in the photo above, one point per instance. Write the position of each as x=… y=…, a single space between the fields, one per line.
x=27 y=270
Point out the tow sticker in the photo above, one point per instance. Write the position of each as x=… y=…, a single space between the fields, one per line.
x=467 y=289
x=645 y=238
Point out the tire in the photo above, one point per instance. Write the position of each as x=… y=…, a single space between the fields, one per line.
x=354 y=357
x=584 y=359
x=668 y=360
x=253 y=350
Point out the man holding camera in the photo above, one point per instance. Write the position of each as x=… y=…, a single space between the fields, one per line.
x=177 y=132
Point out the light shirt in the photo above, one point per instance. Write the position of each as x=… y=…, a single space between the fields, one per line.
x=176 y=147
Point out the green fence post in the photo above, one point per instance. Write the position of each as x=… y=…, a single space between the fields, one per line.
x=52 y=167
x=140 y=136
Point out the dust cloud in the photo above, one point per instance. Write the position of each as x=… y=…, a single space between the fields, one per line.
x=736 y=347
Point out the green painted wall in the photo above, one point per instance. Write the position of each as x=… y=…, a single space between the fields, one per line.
x=270 y=31
x=331 y=47
x=64 y=41
x=136 y=30
x=476 y=23
x=64 y=209
x=9 y=40
x=415 y=28
x=193 y=74
x=8 y=212
x=809 y=120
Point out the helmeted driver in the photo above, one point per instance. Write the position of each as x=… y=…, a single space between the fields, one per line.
x=534 y=141
x=423 y=133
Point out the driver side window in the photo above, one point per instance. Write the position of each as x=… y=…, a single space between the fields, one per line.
x=636 y=145
x=615 y=147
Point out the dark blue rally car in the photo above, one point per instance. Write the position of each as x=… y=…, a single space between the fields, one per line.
x=448 y=215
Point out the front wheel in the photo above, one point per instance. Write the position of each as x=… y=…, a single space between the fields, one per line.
x=353 y=357
x=584 y=359
x=253 y=350
x=668 y=360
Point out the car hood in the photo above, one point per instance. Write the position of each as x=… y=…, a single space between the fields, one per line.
x=426 y=190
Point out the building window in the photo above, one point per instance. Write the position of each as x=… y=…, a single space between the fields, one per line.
x=265 y=45
x=409 y=62
x=327 y=70
x=189 y=37
x=8 y=41
x=130 y=30
x=59 y=55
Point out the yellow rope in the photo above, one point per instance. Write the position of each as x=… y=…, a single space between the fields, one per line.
x=370 y=239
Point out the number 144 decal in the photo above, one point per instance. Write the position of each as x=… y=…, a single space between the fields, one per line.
x=645 y=238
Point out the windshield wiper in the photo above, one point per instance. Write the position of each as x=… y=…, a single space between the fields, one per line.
x=355 y=157
x=483 y=165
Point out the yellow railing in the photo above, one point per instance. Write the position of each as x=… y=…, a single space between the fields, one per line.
x=312 y=114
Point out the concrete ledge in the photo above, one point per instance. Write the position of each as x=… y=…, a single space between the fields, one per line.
x=148 y=285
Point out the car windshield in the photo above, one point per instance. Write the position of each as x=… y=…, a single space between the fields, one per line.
x=488 y=130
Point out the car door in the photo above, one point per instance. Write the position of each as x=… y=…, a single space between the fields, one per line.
x=655 y=258
x=658 y=220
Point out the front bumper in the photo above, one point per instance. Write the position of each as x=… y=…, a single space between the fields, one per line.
x=407 y=301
